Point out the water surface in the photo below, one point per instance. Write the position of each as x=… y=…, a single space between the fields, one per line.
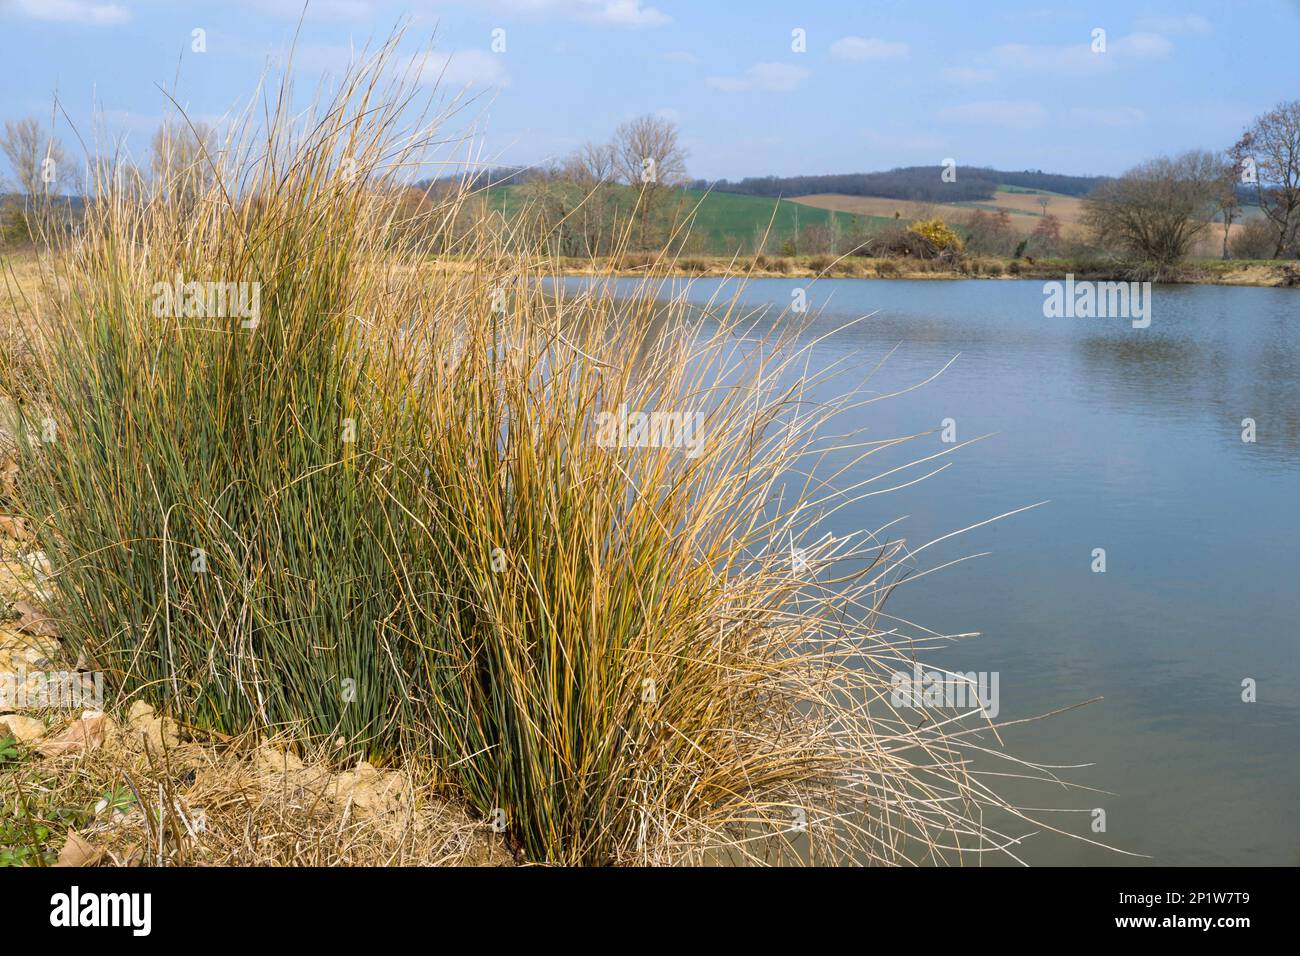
x=1133 y=437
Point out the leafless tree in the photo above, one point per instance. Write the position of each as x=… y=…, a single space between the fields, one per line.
x=181 y=157
x=1254 y=240
x=1226 y=201
x=1273 y=144
x=648 y=157
x=1046 y=237
x=116 y=175
x=990 y=235
x=37 y=158
x=595 y=162
x=1156 y=210
x=591 y=172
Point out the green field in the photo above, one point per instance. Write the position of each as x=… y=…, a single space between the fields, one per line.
x=726 y=221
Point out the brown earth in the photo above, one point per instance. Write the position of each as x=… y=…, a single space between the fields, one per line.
x=1024 y=209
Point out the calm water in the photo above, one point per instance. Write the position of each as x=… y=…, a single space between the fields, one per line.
x=1133 y=437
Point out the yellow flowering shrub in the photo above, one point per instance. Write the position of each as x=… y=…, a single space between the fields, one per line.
x=939 y=233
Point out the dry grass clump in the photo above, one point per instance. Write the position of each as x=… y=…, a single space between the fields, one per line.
x=569 y=548
x=132 y=799
x=20 y=281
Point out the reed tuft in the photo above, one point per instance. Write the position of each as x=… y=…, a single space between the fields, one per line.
x=563 y=542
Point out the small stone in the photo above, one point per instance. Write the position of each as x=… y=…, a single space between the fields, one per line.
x=370 y=790
x=85 y=734
x=26 y=730
x=139 y=710
x=160 y=733
x=270 y=760
x=32 y=620
x=13 y=527
x=78 y=851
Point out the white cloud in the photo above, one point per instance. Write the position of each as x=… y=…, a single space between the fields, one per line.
x=86 y=12
x=766 y=77
x=451 y=71
x=1079 y=59
x=968 y=75
x=630 y=13
x=1008 y=114
x=464 y=68
x=1192 y=23
x=1121 y=117
x=316 y=9
x=1142 y=46
x=868 y=48
x=623 y=13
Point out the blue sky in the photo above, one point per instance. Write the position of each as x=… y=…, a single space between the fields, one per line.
x=881 y=84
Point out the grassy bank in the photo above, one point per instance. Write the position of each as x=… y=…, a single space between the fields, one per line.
x=22 y=263
x=1253 y=272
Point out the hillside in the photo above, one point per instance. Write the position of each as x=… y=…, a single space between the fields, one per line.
x=1022 y=205
x=914 y=183
x=724 y=222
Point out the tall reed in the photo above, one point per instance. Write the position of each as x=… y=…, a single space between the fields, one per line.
x=402 y=510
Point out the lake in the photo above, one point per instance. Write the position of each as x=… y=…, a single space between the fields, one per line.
x=1133 y=438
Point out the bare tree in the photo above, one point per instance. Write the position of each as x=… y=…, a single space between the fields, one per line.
x=1156 y=210
x=1254 y=240
x=1046 y=237
x=990 y=235
x=1273 y=146
x=591 y=172
x=181 y=157
x=596 y=162
x=1226 y=201
x=648 y=157
x=551 y=198
x=37 y=158
x=114 y=175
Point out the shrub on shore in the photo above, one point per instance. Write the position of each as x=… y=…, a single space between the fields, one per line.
x=1256 y=239
x=941 y=237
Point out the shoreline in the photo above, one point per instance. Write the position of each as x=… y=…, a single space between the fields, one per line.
x=1254 y=273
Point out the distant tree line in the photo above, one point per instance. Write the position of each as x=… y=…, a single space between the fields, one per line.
x=1050 y=182
x=51 y=190
x=916 y=183
x=488 y=177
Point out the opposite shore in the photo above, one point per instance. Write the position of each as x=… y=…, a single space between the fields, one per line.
x=1264 y=273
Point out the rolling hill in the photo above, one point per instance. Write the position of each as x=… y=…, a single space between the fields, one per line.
x=725 y=222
